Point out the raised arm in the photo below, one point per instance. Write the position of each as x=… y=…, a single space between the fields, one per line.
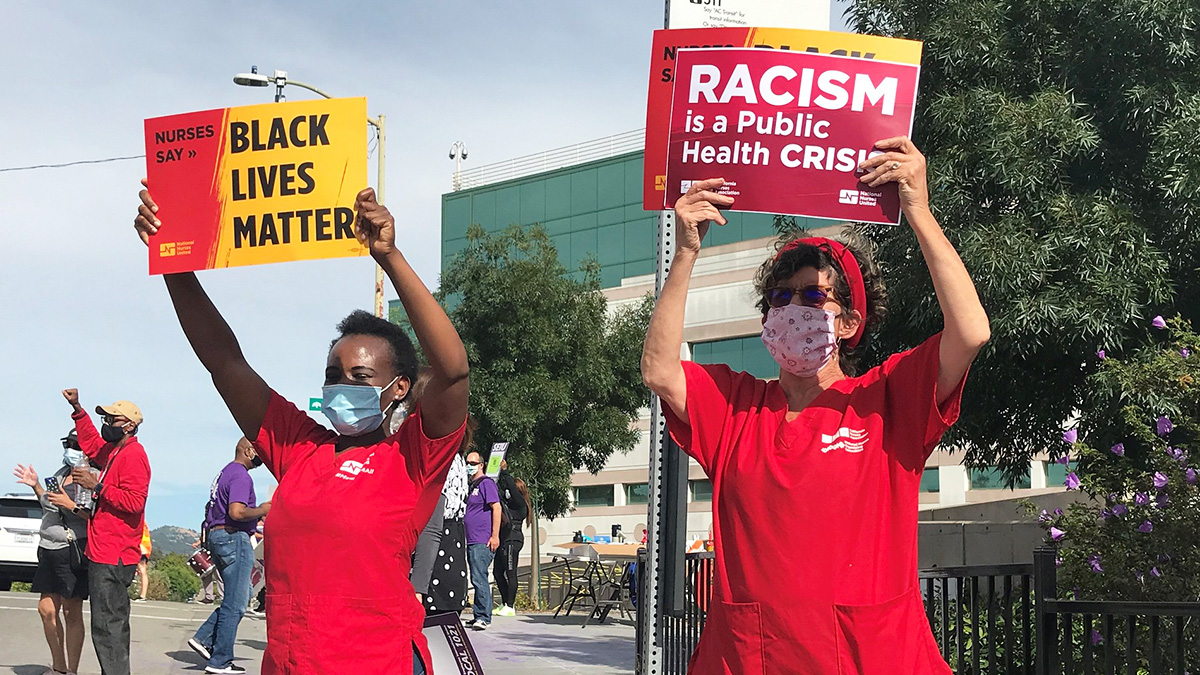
x=245 y=393
x=967 y=327
x=89 y=439
x=662 y=371
x=444 y=403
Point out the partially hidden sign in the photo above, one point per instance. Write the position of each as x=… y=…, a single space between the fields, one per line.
x=668 y=43
x=256 y=184
x=787 y=130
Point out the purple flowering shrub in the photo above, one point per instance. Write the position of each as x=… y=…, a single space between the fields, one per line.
x=1137 y=453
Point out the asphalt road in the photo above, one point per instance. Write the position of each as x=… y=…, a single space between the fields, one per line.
x=512 y=646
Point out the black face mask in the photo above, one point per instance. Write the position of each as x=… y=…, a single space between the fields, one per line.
x=255 y=462
x=111 y=434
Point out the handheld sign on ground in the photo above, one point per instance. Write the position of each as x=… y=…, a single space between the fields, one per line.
x=668 y=43
x=256 y=184
x=788 y=130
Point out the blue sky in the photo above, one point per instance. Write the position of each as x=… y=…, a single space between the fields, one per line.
x=77 y=308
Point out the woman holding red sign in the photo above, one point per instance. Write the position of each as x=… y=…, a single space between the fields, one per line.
x=834 y=588
x=365 y=487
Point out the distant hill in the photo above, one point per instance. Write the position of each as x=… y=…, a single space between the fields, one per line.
x=171 y=539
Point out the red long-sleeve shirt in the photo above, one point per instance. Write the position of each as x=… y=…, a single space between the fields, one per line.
x=115 y=528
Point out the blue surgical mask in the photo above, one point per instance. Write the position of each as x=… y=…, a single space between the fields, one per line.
x=72 y=457
x=353 y=409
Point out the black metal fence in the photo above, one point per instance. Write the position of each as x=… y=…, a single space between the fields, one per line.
x=982 y=617
x=994 y=620
x=1112 y=637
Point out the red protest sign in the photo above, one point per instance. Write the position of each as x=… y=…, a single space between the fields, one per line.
x=787 y=130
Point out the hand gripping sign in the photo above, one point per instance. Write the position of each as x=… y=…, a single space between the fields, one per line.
x=256 y=184
x=668 y=43
x=787 y=130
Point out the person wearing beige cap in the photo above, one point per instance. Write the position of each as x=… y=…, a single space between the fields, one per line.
x=115 y=528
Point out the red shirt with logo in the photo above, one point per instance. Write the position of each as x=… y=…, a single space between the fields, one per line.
x=340 y=539
x=118 y=514
x=815 y=519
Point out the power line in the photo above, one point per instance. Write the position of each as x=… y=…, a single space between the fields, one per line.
x=82 y=161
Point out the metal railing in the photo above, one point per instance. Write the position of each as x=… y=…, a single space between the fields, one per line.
x=549 y=160
x=982 y=617
x=996 y=620
x=1085 y=636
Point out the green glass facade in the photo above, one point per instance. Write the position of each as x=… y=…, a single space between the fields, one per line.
x=595 y=209
x=740 y=354
x=592 y=209
x=993 y=479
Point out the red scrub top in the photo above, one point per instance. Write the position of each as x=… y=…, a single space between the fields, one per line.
x=815 y=520
x=340 y=539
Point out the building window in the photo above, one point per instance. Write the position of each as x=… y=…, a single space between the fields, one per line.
x=1056 y=474
x=740 y=354
x=637 y=493
x=701 y=490
x=931 y=480
x=593 y=495
x=992 y=478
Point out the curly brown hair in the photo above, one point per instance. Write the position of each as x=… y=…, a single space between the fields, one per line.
x=779 y=268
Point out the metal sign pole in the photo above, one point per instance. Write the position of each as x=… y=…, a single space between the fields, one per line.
x=651 y=595
x=657 y=529
x=662 y=596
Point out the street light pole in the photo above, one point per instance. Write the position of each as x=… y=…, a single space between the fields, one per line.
x=458 y=153
x=280 y=80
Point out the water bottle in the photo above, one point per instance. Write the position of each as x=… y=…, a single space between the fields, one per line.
x=83 y=498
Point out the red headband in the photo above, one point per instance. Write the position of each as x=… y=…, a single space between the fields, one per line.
x=850 y=270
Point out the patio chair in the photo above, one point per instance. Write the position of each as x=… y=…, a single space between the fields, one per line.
x=581 y=584
x=613 y=593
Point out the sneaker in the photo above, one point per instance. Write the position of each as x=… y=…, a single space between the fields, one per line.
x=254 y=614
x=480 y=625
x=139 y=599
x=470 y=623
x=199 y=648
x=231 y=668
x=506 y=610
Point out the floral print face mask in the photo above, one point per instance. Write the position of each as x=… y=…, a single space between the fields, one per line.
x=800 y=339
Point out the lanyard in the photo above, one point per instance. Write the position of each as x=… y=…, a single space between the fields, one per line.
x=108 y=465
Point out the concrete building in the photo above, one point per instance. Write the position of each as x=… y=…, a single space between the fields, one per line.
x=588 y=197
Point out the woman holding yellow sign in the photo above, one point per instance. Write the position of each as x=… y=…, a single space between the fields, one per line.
x=327 y=614
x=834 y=588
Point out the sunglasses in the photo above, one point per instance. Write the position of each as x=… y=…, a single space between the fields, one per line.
x=810 y=296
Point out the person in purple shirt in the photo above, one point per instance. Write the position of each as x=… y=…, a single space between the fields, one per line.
x=483 y=537
x=229 y=522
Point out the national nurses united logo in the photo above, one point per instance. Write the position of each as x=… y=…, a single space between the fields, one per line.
x=351 y=469
x=850 y=440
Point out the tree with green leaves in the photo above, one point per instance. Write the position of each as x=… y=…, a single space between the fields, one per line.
x=553 y=372
x=1060 y=136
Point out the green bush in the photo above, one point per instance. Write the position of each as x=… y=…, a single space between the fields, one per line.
x=523 y=602
x=170 y=579
x=1137 y=448
x=1138 y=456
x=22 y=587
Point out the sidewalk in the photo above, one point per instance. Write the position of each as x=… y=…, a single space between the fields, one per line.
x=522 y=645
x=539 y=643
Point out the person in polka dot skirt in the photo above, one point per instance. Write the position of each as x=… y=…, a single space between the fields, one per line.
x=439 y=572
